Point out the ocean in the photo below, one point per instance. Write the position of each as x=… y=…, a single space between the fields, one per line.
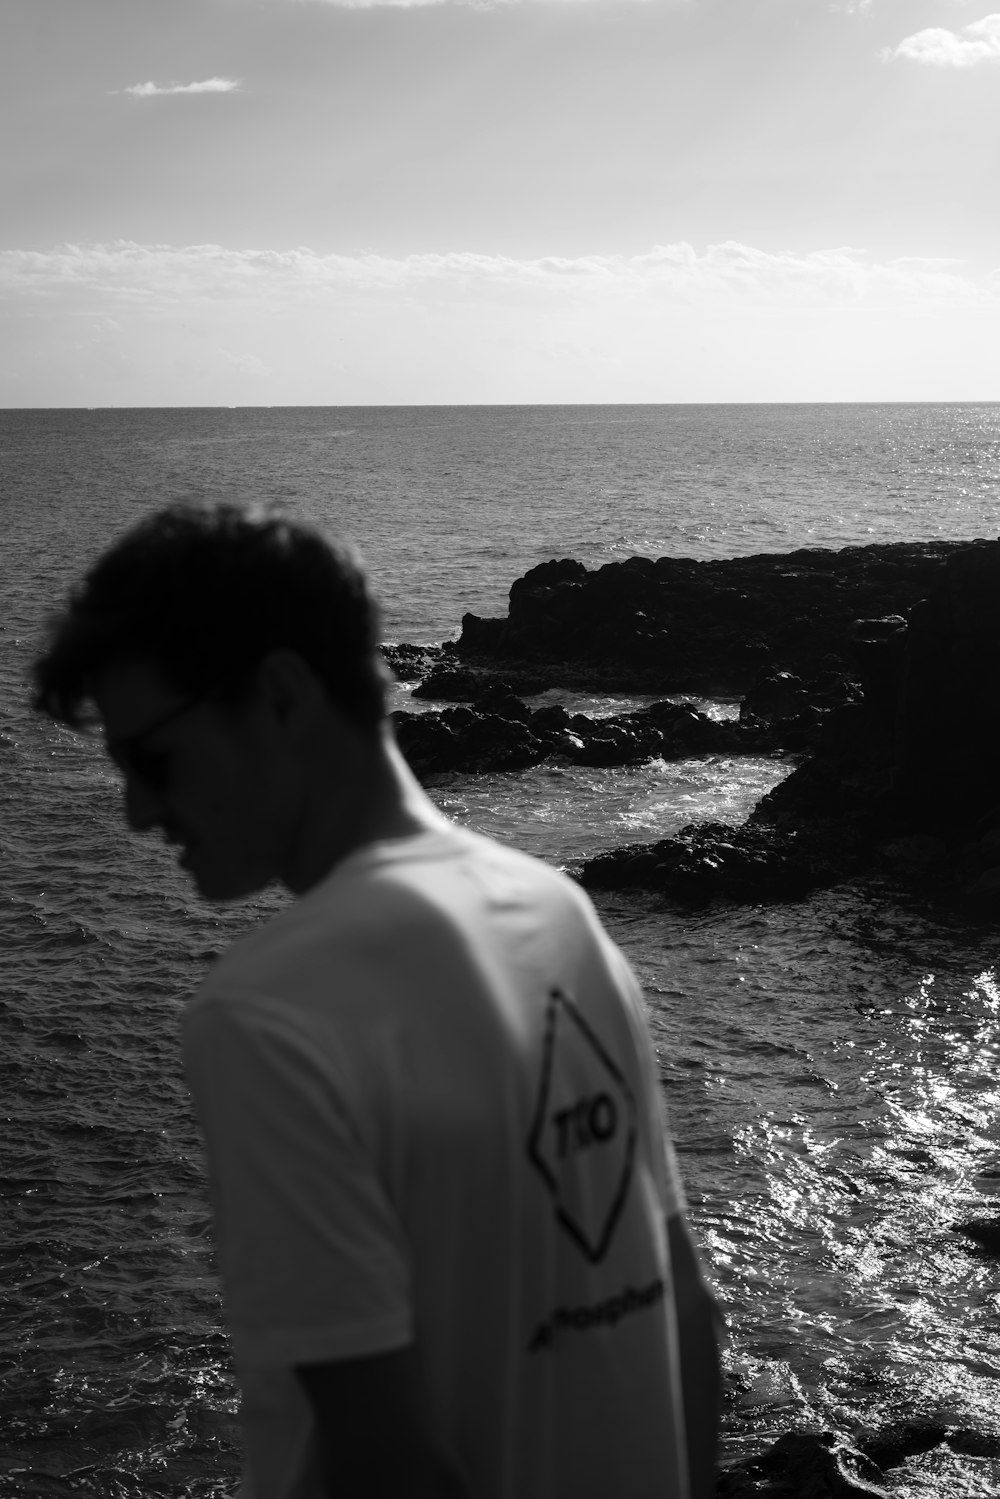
x=832 y=1066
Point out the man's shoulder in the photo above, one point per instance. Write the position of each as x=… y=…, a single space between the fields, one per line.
x=436 y=864
x=377 y=907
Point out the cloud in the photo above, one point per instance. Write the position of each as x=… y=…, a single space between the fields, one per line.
x=138 y=325
x=410 y=4
x=167 y=278
x=207 y=86
x=247 y=364
x=938 y=48
x=468 y=4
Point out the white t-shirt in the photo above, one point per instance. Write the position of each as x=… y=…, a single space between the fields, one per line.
x=433 y=1117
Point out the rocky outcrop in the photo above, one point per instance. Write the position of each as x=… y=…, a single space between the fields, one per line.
x=674 y=625
x=875 y=666
x=411 y=663
x=948 y=700
x=913 y=766
x=492 y=728
x=899 y=785
x=503 y=733
x=708 y=862
x=803 y=1465
x=984 y=1233
x=820 y=1465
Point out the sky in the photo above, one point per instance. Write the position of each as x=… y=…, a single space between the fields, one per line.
x=380 y=202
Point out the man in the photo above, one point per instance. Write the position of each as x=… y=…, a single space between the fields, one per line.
x=447 y=1216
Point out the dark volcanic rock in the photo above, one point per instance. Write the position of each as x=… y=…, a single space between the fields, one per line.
x=715 y=861
x=911 y=769
x=877 y=666
x=803 y=1465
x=818 y=1465
x=460 y=739
x=411 y=663
x=678 y=625
x=982 y=1231
x=503 y=733
x=899 y=784
x=775 y=694
x=892 y=1445
x=447 y=682
x=948 y=713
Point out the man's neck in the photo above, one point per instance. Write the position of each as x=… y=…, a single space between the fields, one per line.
x=370 y=795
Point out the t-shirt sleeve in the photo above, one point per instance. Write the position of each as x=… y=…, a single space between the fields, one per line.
x=313 y=1261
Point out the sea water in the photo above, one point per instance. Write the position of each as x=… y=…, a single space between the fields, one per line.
x=831 y=1065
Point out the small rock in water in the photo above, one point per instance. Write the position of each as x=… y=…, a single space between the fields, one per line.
x=803 y=1465
x=984 y=1231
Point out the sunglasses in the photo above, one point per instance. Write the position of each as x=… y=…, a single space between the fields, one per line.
x=133 y=753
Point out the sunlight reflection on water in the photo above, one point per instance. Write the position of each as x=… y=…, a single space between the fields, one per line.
x=832 y=1119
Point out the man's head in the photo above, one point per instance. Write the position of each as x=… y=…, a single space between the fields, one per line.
x=202 y=593
x=233 y=660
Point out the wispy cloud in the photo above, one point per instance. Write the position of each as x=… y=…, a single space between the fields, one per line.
x=410 y=4
x=938 y=48
x=157 y=324
x=207 y=86
x=163 y=276
x=246 y=364
x=467 y=4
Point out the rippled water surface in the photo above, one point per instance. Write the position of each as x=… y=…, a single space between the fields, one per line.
x=837 y=1101
x=831 y=1066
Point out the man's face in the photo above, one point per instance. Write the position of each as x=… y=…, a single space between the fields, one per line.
x=204 y=773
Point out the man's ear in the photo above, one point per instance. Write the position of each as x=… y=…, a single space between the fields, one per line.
x=289 y=688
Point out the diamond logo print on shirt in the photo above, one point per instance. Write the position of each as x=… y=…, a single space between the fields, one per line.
x=582 y=1139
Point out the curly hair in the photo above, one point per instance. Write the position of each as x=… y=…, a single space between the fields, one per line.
x=202 y=593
